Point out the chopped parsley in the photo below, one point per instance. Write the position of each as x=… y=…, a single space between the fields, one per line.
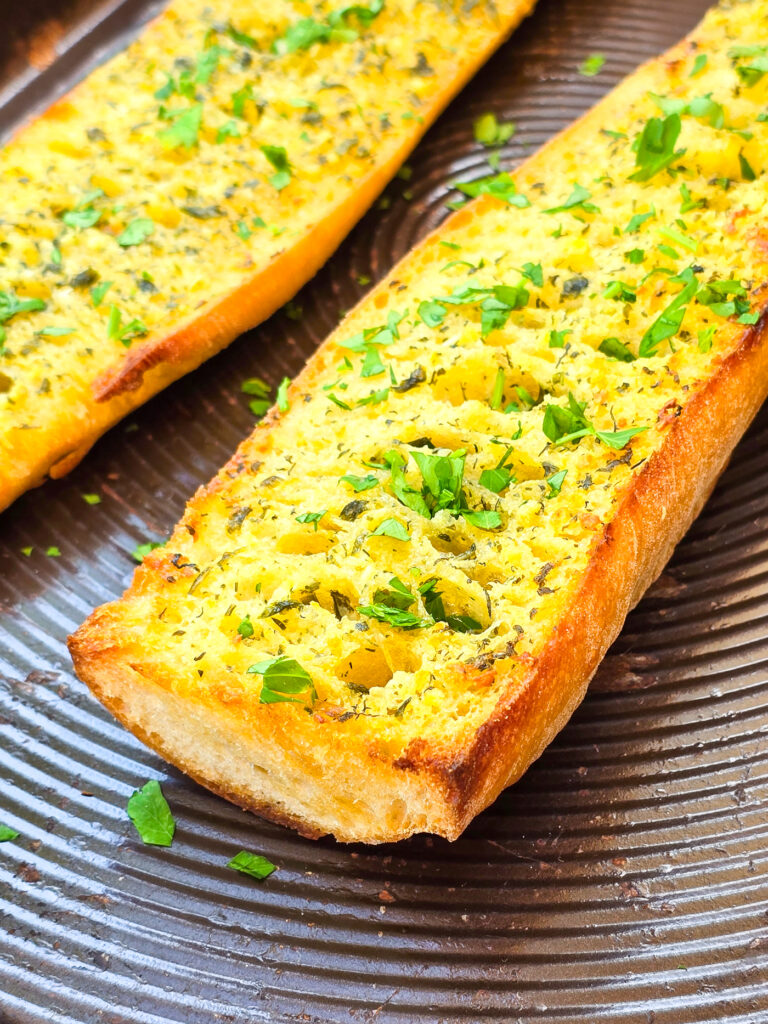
x=577 y=200
x=563 y=425
x=278 y=157
x=261 y=390
x=84 y=215
x=281 y=397
x=637 y=221
x=555 y=483
x=245 y=628
x=501 y=186
x=496 y=304
x=228 y=130
x=489 y=131
x=705 y=337
x=592 y=66
x=556 y=339
x=620 y=291
x=669 y=321
x=500 y=477
x=252 y=864
x=394 y=616
x=307 y=31
x=391 y=528
x=124 y=333
x=442 y=479
x=141 y=550
x=312 y=517
x=615 y=349
x=360 y=483
x=756 y=65
x=184 y=127
x=282 y=680
x=11 y=305
x=391 y=606
x=655 y=147
x=136 y=232
x=99 y=291
x=149 y=811
x=534 y=273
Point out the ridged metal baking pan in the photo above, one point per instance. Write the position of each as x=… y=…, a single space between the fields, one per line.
x=623 y=880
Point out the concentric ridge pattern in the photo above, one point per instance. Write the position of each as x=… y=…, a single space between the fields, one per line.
x=623 y=880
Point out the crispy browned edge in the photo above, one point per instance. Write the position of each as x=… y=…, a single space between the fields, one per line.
x=444 y=787
x=158 y=362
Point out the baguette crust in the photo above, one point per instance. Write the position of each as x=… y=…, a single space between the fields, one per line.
x=322 y=773
x=172 y=351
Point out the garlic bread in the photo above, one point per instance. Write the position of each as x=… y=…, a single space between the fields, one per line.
x=394 y=595
x=190 y=186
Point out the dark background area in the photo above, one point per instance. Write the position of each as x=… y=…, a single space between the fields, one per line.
x=623 y=880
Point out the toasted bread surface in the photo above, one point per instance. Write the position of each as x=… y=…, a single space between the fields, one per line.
x=395 y=593
x=189 y=187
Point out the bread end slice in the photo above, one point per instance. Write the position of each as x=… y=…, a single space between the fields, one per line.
x=321 y=775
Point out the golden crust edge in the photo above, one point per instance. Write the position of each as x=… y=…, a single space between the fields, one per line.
x=155 y=365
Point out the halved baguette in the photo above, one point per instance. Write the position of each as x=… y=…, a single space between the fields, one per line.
x=207 y=173
x=595 y=399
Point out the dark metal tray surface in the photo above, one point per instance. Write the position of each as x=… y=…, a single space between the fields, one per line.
x=623 y=880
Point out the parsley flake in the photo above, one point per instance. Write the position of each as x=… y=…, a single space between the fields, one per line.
x=149 y=811
x=391 y=528
x=136 y=232
x=577 y=200
x=592 y=66
x=312 y=517
x=282 y=679
x=500 y=186
x=489 y=131
x=278 y=157
x=183 y=129
x=655 y=147
x=141 y=550
x=252 y=864
x=360 y=483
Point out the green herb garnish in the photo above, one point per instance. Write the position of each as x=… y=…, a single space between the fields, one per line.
x=565 y=425
x=592 y=66
x=141 y=550
x=312 y=517
x=183 y=130
x=282 y=679
x=655 y=147
x=149 y=811
x=252 y=864
x=278 y=157
x=489 y=131
x=138 y=231
x=577 y=200
x=500 y=186
x=360 y=483
x=391 y=528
